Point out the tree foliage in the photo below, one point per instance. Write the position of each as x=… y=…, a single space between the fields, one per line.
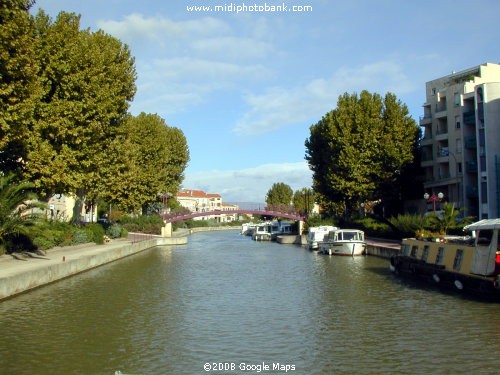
x=280 y=194
x=151 y=157
x=358 y=149
x=303 y=200
x=18 y=80
x=87 y=80
x=64 y=97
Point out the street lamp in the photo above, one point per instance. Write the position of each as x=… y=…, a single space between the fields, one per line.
x=434 y=198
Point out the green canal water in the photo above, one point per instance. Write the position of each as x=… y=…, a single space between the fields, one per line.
x=230 y=305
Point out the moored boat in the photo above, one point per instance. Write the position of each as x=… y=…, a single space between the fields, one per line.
x=343 y=242
x=468 y=264
x=317 y=235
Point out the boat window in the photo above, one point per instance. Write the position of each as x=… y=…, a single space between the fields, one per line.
x=406 y=249
x=425 y=253
x=484 y=237
x=414 y=251
x=458 y=259
x=440 y=256
x=350 y=236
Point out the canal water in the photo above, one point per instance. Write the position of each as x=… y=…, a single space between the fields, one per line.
x=230 y=305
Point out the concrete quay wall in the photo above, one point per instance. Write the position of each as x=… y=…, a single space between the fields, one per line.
x=20 y=276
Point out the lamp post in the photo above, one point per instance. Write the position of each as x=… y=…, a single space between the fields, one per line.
x=434 y=198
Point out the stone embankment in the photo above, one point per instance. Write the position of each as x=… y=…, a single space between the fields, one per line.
x=17 y=276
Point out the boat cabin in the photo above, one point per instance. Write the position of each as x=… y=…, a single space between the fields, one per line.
x=338 y=235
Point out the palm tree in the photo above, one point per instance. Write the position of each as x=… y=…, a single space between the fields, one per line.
x=449 y=218
x=16 y=203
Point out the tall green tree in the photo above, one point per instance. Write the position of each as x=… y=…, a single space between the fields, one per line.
x=358 y=149
x=88 y=80
x=303 y=200
x=280 y=194
x=151 y=159
x=18 y=81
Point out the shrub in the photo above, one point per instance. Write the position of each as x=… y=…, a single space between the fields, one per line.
x=150 y=224
x=43 y=243
x=409 y=224
x=374 y=228
x=95 y=233
x=80 y=236
x=114 y=231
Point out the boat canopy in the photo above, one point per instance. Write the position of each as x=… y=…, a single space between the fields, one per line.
x=484 y=224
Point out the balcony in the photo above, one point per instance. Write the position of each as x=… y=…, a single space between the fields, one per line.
x=472 y=192
x=470 y=142
x=469 y=117
x=471 y=166
x=425 y=119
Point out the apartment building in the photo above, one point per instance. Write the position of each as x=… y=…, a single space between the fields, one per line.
x=197 y=201
x=461 y=142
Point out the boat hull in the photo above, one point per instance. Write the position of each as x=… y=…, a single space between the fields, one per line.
x=438 y=275
x=342 y=248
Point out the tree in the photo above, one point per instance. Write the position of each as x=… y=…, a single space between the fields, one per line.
x=16 y=202
x=18 y=81
x=150 y=158
x=280 y=194
x=88 y=80
x=359 y=149
x=303 y=200
x=448 y=218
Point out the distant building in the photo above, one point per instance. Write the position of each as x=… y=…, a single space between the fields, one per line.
x=461 y=143
x=197 y=201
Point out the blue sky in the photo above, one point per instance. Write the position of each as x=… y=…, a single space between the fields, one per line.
x=245 y=87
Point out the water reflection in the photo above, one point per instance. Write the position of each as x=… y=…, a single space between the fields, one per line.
x=226 y=298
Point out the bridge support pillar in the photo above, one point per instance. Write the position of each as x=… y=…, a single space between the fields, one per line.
x=166 y=231
x=301 y=227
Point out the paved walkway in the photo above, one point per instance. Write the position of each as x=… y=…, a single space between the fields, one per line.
x=380 y=242
x=10 y=266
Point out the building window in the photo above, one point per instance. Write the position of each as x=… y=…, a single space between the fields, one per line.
x=457 y=99
x=484 y=192
x=458 y=259
x=425 y=253
x=440 y=256
x=457 y=122
x=459 y=168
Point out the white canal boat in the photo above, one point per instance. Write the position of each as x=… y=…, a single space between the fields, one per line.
x=270 y=230
x=317 y=235
x=343 y=242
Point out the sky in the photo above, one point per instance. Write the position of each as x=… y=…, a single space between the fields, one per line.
x=245 y=83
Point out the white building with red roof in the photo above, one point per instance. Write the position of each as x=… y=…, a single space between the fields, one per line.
x=197 y=201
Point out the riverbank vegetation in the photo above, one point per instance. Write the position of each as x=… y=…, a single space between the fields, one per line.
x=65 y=126
x=362 y=152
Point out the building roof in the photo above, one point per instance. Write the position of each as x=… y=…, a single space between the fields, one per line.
x=188 y=193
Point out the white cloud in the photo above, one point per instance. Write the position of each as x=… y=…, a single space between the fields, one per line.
x=281 y=107
x=135 y=28
x=250 y=184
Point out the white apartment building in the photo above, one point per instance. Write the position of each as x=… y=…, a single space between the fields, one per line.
x=461 y=142
x=197 y=201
